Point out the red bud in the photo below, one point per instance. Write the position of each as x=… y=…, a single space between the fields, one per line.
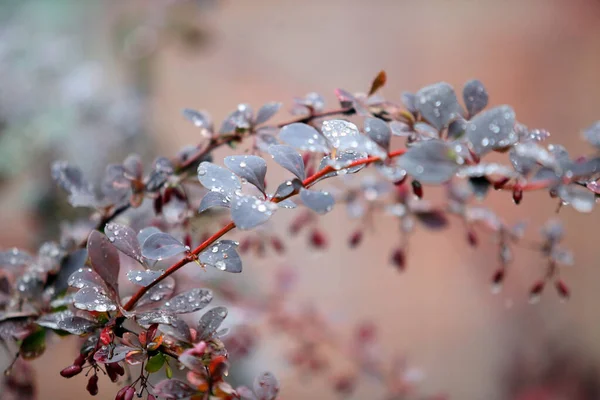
x=92 y=385
x=70 y=371
x=562 y=289
x=80 y=360
x=344 y=385
x=355 y=238
x=318 y=239
x=277 y=245
x=187 y=240
x=500 y=184
x=535 y=291
x=498 y=280
x=151 y=397
x=158 y=205
x=417 y=189
x=121 y=393
x=517 y=195
x=399 y=259
x=129 y=393
x=106 y=337
x=472 y=238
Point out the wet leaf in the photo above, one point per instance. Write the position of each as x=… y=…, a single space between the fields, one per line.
x=160 y=291
x=198 y=118
x=287 y=188
x=145 y=233
x=107 y=355
x=218 y=179
x=303 y=137
x=15 y=258
x=86 y=277
x=475 y=97
x=578 y=197
x=124 y=239
x=156 y=317
x=104 y=258
x=266 y=386
x=210 y=322
x=214 y=199
x=289 y=159
x=91 y=298
x=343 y=136
x=160 y=246
x=266 y=112
x=188 y=302
x=250 y=168
x=492 y=129
x=319 y=202
x=71 y=179
x=173 y=389
x=223 y=256
x=67 y=321
x=592 y=134
x=430 y=162
x=438 y=104
x=379 y=131
x=33 y=345
x=144 y=278
x=248 y=212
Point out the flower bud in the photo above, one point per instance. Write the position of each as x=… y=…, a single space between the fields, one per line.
x=562 y=289
x=121 y=393
x=80 y=360
x=129 y=393
x=399 y=259
x=278 y=245
x=472 y=238
x=535 y=291
x=158 y=205
x=70 y=371
x=355 y=238
x=92 y=385
x=498 y=280
x=318 y=239
x=417 y=189
x=517 y=195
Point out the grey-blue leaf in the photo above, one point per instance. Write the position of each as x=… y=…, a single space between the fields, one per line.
x=145 y=234
x=287 y=203
x=218 y=179
x=71 y=179
x=86 y=277
x=266 y=112
x=344 y=136
x=210 y=322
x=15 y=258
x=475 y=97
x=251 y=168
x=319 y=202
x=430 y=162
x=578 y=197
x=223 y=256
x=289 y=159
x=188 y=302
x=214 y=199
x=379 y=131
x=592 y=134
x=159 y=246
x=162 y=290
x=492 y=129
x=91 y=298
x=248 y=212
x=124 y=239
x=303 y=137
x=438 y=104
x=198 y=118
x=144 y=278
x=66 y=321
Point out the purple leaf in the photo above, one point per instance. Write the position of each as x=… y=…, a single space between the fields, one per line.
x=81 y=193
x=431 y=162
x=160 y=246
x=218 y=179
x=289 y=159
x=214 y=199
x=104 y=258
x=492 y=130
x=91 y=298
x=251 y=168
x=266 y=112
x=303 y=137
x=248 y=212
x=86 y=277
x=66 y=321
x=15 y=258
x=124 y=238
x=223 y=256
x=173 y=389
x=144 y=278
x=438 y=104
x=159 y=292
x=343 y=136
x=475 y=97
x=210 y=322
x=319 y=202
x=379 y=131
x=189 y=302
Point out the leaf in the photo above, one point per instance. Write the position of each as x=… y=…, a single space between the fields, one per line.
x=475 y=97
x=218 y=179
x=266 y=386
x=33 y=345
x=155 y=363
x=91 y=298
x=15 y=258
x=210 y=322
x=144 y=278
x=433 y=219
x=214 y=199
x=493 y=129
x=438 y=104
x=250 y=168
x=578 y=197
x=266 y=112
x=198 y=118
x=162 y=168
x=107 y=355
x=162 y=290
x=248 y=212
x=86 y=277
x=379 y=131
x=71 y=179
x=104 y=258
x=289 y=159
x=409 y=100
x=173 y=389
x=303 y=137
x=156 y=317
x=223 y=256
x=160 y=246
x=287 y=188
x=343 y=136
x=378 y=82
x=124 y=239
x=145 y=233
x=66 y=321
x=319 y=202
x=188 y=302
x=592 y=134
x=430 y=162
x=287 y=203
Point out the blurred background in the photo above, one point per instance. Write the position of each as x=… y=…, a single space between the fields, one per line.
x=90 y=81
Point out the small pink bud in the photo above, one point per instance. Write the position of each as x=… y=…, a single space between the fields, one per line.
x=562 y=289
x=417 y=189
x=92 y=385
x=277 y=245
x=121 y=393
x=517 y=195
x=187 y=240
x=355 y=238
x=535 y=291
x=498 y=280
x=70 y=371
x=472 y=238
x=399 y=259
x=129 y=393
x=318 y=239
